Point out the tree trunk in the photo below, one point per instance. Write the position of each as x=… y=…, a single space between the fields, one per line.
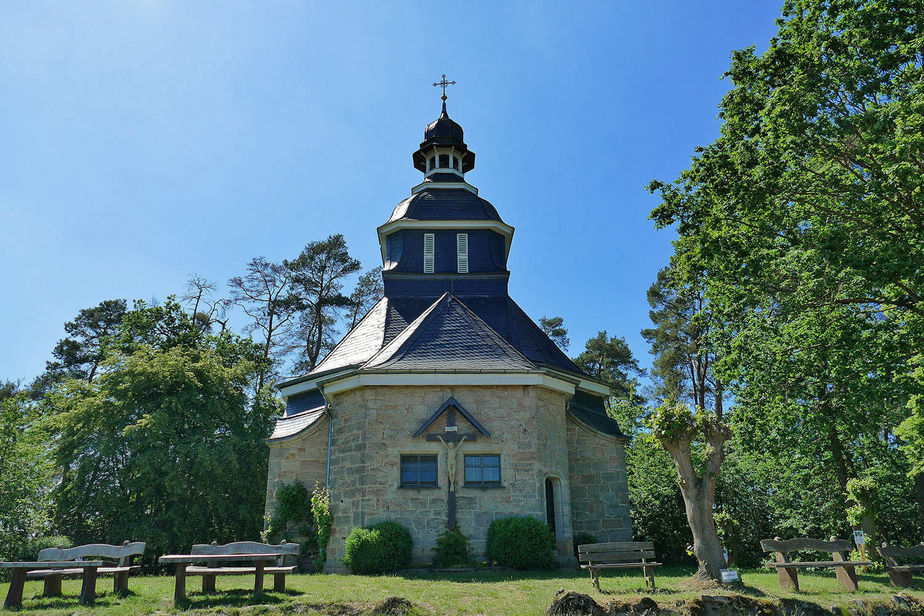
x=698 y=500
x=919 y=496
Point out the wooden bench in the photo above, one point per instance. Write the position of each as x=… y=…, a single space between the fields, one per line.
x=900 y=573
x=286 y=552
x=621 y=555
x=119 y=570
x=787 y=570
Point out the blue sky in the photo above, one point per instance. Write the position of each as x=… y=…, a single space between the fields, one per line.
x=144 y=141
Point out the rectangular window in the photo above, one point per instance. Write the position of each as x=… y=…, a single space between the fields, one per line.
x=418 y=470
x=462 y=252
x=428 y=253
x=482 y=470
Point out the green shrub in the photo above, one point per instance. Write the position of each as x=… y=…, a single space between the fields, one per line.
x=380 y=548
x=53 y=541
x=521 y=543
x=581 y=539
x=452 y=549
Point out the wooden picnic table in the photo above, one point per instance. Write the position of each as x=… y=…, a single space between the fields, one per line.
x=181 y=561
x=20 y=569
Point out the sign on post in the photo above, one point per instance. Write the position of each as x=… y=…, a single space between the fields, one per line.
x=859 y=538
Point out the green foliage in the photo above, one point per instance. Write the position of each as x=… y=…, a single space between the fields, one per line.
x=610 y=360
x=452 y=549
x=802 y=222
x=316 y=293
x=320 y=509
x=166 y=445
x=79 y=355
x=554 y=328
x=293 y=505
x=521 y=543
x=294 y=520
x=381 y=548
x=25 y=473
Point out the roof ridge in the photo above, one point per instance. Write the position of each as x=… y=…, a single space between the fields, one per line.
x=406 y=333
x=492 y=333
x=398 y=348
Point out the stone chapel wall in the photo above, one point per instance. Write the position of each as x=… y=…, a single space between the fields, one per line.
x=599 y=486
x=373 y=426
x=302 y=457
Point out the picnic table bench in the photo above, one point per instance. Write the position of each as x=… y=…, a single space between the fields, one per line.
x=84 y=561
x=787 y=570
x=618 y=555
x=257 y=555
x=900 y=573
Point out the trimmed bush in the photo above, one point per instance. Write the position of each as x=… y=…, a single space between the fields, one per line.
x=451 y=549
x=521 y=543
x=380 y=548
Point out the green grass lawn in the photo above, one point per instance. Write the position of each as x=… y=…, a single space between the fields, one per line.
x=482 y=593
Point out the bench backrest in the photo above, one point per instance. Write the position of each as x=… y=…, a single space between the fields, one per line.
x=837 y=548
x=616 y=552
x=892 y=554
x=123 y=553
x=285 y=550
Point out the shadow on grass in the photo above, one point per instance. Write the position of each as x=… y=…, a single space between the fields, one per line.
x=41 y=602
x=236 y=598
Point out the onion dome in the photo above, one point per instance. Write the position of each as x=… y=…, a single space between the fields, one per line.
x=445 y=129
x=443 y=148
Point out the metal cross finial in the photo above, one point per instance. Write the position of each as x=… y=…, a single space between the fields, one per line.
x=444 y=83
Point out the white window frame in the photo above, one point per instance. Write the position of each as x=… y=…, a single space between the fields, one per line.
x=429 y=250
x=462 y=253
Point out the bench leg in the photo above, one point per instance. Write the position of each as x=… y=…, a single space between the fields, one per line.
x=649 y=577
x=789 y=578
x=120 y=583
x=258 y=579
x=179 y=592
x=279 y=582
x=902 y=579
x=52 y=586
x=595 y=578
x=14 y=594
x=847 y=576
x=88 y=588
x=208 y=583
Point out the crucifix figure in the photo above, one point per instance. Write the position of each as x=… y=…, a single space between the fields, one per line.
x=452 y=453
x=444 y=83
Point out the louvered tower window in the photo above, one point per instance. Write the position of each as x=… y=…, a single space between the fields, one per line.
x=462 y=252
x=428 y=253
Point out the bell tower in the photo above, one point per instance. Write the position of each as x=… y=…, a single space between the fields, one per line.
x=444 y=237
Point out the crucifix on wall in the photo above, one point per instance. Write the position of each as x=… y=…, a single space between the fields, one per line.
x=451 y=440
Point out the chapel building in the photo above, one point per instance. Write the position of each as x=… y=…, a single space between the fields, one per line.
x=446 y=405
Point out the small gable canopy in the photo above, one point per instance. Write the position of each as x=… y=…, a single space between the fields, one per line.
x=452 y=402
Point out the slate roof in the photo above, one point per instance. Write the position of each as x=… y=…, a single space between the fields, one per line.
x=444 y=204
x=508 y=325
x=448 y=336
x=290 y=425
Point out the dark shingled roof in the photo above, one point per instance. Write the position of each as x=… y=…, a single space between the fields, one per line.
x=448 y=336
x=444 y=204
x=598 y=422
x=391 y=316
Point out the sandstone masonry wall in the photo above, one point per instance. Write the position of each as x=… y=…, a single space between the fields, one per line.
x=302 y=457
x=373 y=426
x=599 y=486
